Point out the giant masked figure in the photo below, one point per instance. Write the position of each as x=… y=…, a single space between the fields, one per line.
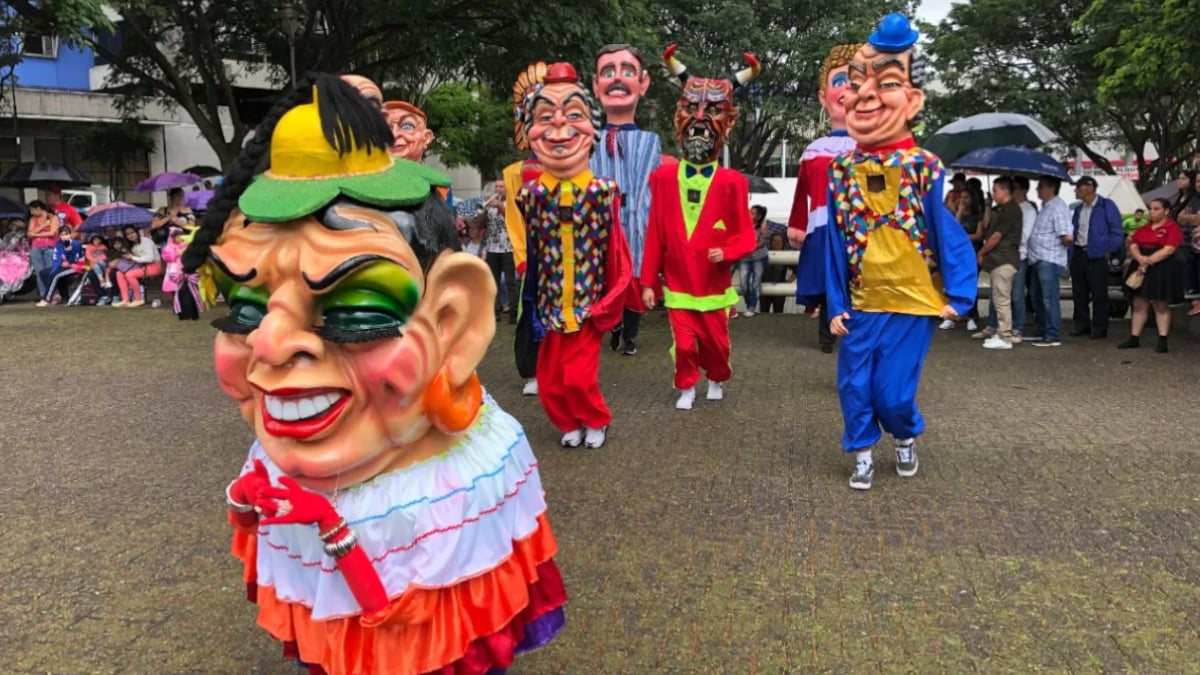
x=389 y=517
x=515 y=175
x=578 y=270
x=806 y=226
x=628 y=155
x=699 y=228
x=896 y=259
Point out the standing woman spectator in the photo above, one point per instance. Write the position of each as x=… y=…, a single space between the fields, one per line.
x=498 y=252
x=43 y=238
x=776 y=274
x=175 y=214
x=146 y=263
x=970 y=215
x=1152 y=248
x=750 y=268
x=1186 y=212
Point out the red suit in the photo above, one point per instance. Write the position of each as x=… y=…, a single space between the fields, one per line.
x=697 y=292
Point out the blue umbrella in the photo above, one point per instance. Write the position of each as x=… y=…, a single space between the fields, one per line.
x=1013 y=161
x=117 y=216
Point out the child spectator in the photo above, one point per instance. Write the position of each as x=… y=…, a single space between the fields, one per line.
x=474 y=243
x=775 y=274
x=96 y=253
x=173 y=278
x=67 y=262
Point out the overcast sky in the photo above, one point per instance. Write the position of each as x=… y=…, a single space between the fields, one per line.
x=934 y=11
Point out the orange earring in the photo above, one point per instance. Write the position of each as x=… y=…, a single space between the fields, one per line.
x=452 y=411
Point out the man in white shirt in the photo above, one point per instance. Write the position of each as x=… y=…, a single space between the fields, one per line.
x=1029 y=214
x=1046 y=250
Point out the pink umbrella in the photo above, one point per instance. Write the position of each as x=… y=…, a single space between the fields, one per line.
x=111 y=205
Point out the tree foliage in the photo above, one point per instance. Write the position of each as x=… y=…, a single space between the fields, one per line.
x=1048 y=60
x=472 y=127
x=117 y=146
x=188 y=53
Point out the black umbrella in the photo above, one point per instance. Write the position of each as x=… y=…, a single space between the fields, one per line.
x=759 y=184
x=45 y=174
x=13 y=209
x=204 y=171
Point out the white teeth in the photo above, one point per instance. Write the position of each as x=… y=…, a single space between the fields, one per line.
x=307 y=409
x=295 y=409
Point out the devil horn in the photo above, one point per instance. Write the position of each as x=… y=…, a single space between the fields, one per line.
x=747 y=75
x=675 y=65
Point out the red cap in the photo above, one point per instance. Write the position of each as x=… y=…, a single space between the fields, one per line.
x=557 y=73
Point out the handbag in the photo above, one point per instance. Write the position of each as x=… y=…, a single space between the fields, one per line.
x=1135 y=279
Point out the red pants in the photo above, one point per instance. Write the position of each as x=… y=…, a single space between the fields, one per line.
x=701 y=341
x=568 y=377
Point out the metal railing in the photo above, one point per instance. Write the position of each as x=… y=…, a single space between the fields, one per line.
x=791 y=258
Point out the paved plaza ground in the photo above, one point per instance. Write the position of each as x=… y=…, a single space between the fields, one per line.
x=1054 y=526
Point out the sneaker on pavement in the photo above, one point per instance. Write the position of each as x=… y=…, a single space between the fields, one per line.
x=946 y=325
x=863 y=473
x=972 y=326
x=573 y=439
x=614 y=342
x=983 y=334
x=136 y=303
x=630 y=348
x=748 y=314
x=715 y=392
x=530 y=388
x=686 y=398
x=594 y=438
x=906 y=457
x=996 y=342
x=1047 y=343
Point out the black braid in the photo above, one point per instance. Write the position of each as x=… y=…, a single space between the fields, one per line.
x=238 y=178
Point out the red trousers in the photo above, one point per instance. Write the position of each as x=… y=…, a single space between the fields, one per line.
x=568 y=377
x=701 y=341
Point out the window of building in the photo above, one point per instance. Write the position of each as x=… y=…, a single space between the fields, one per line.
x=45 y=46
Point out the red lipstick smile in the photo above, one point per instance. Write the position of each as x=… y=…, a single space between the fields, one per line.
x=302 y=413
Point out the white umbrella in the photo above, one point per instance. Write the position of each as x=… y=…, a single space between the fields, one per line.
x=988 y=130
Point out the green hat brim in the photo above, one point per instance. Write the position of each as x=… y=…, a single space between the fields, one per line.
x=275 y=200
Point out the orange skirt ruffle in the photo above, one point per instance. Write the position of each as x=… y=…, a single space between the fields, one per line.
x=422 y=630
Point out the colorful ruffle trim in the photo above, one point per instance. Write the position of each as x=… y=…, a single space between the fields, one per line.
x=429 y=525
x=423 y=630
x=492 y=654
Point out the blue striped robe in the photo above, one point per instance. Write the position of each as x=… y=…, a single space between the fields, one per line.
x=636 y=154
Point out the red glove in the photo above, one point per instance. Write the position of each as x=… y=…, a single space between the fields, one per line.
x=305 y=507
x=246 y=490
x=309 y=507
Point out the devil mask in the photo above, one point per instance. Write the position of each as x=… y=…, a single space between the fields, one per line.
x=705 y=113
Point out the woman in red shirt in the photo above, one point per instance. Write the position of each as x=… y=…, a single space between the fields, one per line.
x=1152 y=249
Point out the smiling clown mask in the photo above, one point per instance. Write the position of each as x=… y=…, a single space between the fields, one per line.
x=886 y=84
x=350 y=345
x=561 y=122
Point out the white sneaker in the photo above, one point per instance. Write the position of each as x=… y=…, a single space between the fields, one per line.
x=572 y=439
x=530 y=388
x=996 y=342
x=946 y=325
x=715 y=393
x=594 y=438
x=686 y=398
x=748 y=314
x=972 y=326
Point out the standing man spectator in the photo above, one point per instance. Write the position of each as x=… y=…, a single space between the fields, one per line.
x=67 y=214
x=999 y=257
x=1020 y=282
x=1048 y=246
x=1098 y=234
